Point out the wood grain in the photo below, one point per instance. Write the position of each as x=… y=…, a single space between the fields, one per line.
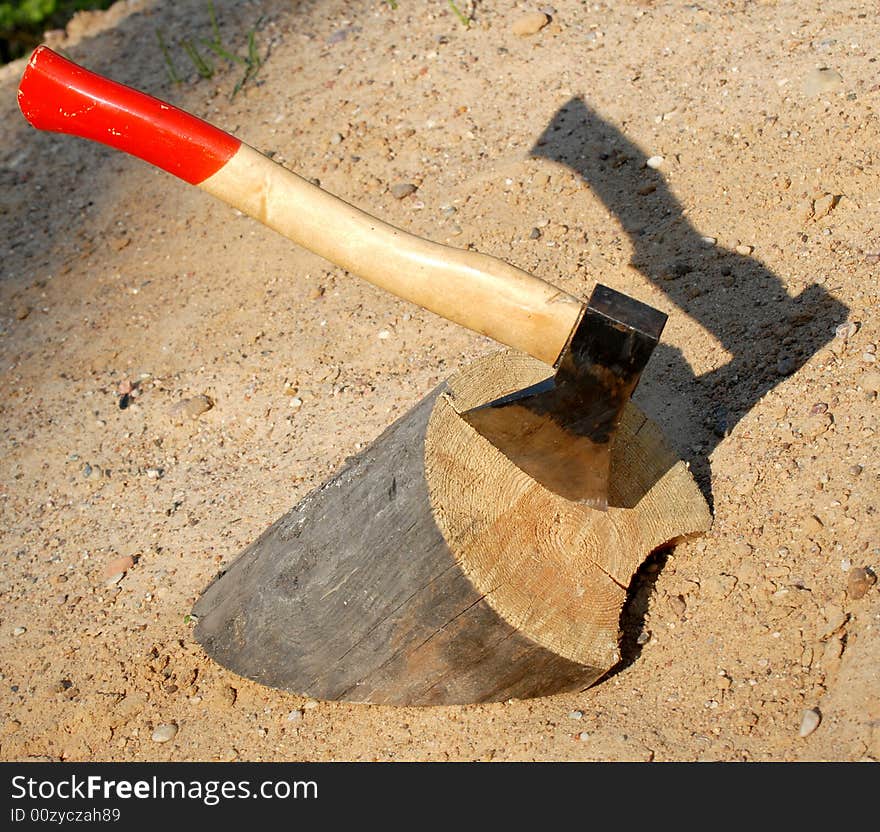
x=556 y=570
x=431 y=571
x=355 y=595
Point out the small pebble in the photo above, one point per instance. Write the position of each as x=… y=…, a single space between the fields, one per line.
x=824 y=205
x=673 y=271
x=118 y=567
x=822 y=80
x=708 y=241
x=19 y=631
x=870 y=382
x=22 y=312
x=835 y=618
x=643 y=637
x=742 y=549
x=295 y=716
x=188 y=409
x=336 y=138
x=719 y=422
x=583 y=736
x=384 y=334
x=846 y=330
x=859 y=581
x=810 y=722
x=400 y=190
x=576 y=715
x=744 y=249
x=654 y=162
x=678 y=604
x=535 y=234
x=339 y=35
x=165 y=733
x=529 y=24
x=786 y=365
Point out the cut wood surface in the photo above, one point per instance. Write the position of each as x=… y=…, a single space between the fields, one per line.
x=556 y=570
x=430 y=570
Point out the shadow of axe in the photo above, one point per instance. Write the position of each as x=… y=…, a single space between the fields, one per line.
x=743 y=304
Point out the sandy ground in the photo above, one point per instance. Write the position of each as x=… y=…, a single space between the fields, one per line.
x=115 y=274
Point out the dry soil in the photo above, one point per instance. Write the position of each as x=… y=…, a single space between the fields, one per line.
x=757 y=230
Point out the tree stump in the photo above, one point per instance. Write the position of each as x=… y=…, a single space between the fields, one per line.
x=432 y=571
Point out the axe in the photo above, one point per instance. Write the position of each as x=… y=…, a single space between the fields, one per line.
x=559 y=432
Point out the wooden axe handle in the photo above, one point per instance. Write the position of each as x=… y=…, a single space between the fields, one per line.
x=479 y=292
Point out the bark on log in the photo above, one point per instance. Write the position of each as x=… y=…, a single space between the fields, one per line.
x=430 y=570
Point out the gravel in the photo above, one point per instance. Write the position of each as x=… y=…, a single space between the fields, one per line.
x=401 y=190
x=859 y=581
x=846 y=330
x=117 y=567
x=189 y=409
x=529 y=24
x=786 y=365
x=822 y=80
x=165 y=733
x=810 y=722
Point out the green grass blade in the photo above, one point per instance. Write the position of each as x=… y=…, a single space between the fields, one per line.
x=169 y=63
x=214 y=25
x=463 y=18
x=222 y=52
x=204 y=67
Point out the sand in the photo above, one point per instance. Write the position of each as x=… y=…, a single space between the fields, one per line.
x=755 y=227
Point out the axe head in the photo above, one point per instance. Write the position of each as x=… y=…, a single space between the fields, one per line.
x=560 y=431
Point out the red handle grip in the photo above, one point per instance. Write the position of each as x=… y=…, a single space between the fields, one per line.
x=58 y=95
